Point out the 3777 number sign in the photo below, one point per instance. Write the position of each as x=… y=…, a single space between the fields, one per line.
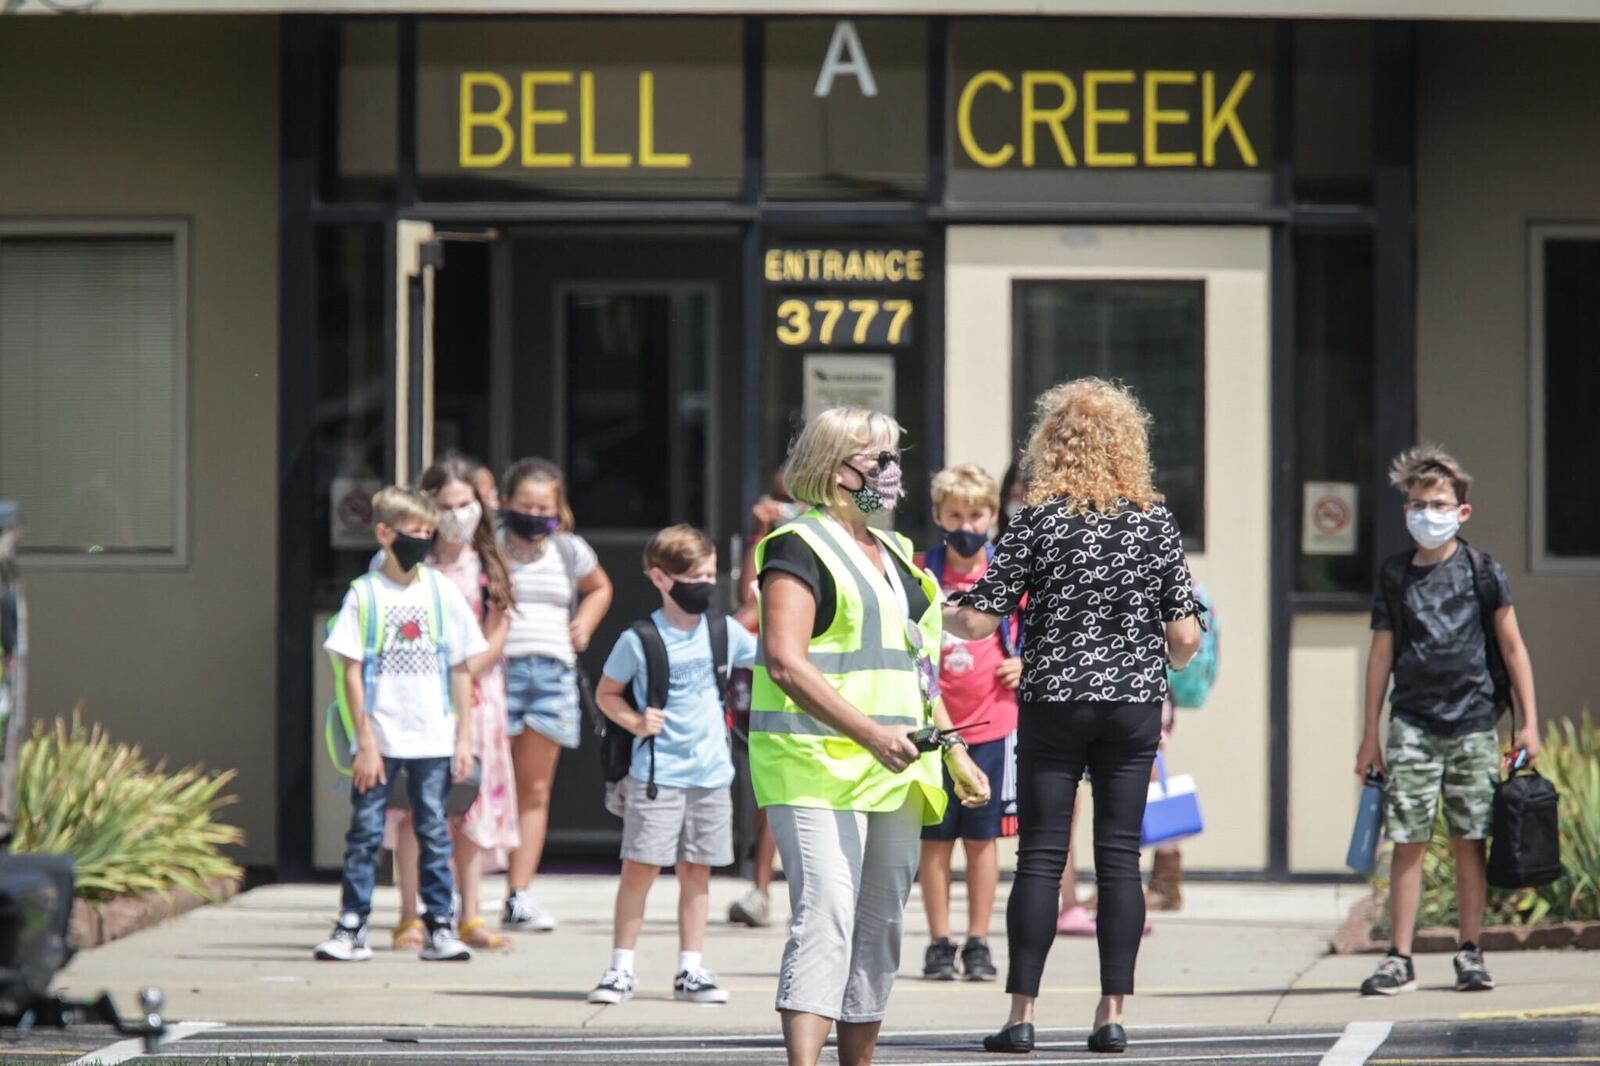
x=843 y=322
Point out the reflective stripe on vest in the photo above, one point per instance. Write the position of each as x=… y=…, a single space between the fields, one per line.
x=867 y=658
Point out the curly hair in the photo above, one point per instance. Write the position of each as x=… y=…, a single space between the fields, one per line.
x=1090 y=449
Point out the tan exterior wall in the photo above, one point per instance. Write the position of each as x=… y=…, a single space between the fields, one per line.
x=1505 y=140
x=171 y=118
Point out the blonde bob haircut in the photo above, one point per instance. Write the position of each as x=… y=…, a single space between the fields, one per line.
x=1090 y=449
x=812 y=472
x=397 y=504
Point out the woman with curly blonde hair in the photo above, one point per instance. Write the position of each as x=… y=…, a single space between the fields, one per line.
x=1108 y=604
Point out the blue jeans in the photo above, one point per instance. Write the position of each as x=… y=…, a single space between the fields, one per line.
x=428 y=787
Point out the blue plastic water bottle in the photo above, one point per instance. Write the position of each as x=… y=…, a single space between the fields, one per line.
x=1363 y=854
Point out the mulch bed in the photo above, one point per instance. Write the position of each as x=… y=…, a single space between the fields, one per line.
x=1354 y=937
x=96 y=923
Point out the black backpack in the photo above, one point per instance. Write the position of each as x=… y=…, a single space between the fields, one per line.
x=1525 y=848
x=617 y=745
x=1392 y=583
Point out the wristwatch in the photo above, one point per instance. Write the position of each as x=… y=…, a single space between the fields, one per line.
x=951 y=740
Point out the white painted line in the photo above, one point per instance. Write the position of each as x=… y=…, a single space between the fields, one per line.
x=1356 y=1046
x=759 y=1042
x=558 y=1053
x=123 y=1050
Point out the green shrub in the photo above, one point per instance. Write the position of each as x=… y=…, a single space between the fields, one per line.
x=129 y=828
x=1571 y=762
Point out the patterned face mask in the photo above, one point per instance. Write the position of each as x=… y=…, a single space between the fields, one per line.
x=879 y=491
x=458 y=524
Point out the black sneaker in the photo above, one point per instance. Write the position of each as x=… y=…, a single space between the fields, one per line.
x=1470 y=973
x=698 y=986
x=939 y=964
x=1393 y=976
x=975 y=961
x=616 y=986
x=348 y=943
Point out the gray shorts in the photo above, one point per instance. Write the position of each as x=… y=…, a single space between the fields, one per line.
x=679 y=825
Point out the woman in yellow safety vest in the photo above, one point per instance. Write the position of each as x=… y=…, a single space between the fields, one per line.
x=847 y=671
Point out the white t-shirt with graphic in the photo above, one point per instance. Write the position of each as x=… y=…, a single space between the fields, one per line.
x=542 y=591
x=411 y=718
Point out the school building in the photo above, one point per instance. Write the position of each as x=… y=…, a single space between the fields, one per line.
x=259 y=258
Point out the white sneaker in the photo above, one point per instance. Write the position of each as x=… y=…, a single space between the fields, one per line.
x=348 y=942
x=442 y=945
x=698 y=986
x=615 y=987
x=750 y=909
x=523 y=914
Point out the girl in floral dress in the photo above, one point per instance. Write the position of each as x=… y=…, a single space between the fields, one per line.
x=466 y=554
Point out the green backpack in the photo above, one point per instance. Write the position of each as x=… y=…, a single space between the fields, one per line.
x=336 y=720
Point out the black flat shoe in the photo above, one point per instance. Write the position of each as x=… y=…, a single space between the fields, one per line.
x=1109 y=1039
x=1012 y=1040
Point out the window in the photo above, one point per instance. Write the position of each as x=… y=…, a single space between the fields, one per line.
x=92 y=380
x=1148 y=334
x=1333 y=415
x=1566 y=332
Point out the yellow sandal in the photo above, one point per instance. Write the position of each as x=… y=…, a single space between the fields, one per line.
x=476 y=934
x=408 y=935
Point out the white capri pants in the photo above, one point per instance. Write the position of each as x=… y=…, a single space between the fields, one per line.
x=850 y=875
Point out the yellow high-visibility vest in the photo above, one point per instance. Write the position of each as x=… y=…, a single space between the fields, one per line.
x=868 y=657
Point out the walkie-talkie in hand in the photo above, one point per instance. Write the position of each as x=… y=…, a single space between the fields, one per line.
x=931 y=737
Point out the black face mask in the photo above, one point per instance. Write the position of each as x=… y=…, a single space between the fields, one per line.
x=529 y=526
x=409 y=551
x=965 y=542
x=693 y=596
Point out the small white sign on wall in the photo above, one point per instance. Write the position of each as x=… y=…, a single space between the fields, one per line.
x=350 y=512
x=848 y=381
x=1328 y=525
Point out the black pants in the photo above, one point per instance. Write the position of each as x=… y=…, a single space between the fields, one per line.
x=1056 y=742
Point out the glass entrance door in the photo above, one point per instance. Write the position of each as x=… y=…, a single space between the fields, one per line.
x=1182 y=316
x=615 y=361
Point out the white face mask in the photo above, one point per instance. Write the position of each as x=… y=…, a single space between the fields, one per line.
x=458 y=524
x=1432 y=529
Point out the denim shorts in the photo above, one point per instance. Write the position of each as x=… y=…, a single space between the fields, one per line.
x=542 y=695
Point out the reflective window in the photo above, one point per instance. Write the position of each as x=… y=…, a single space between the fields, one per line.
x=351 y=447
x=1333 y=112
x=367 y=110
x=92 y=375
x=1148 y=334
x=1053 y=110
x=1569 y=382
x=589 y=109
x=846 y=109
x=1333 y=414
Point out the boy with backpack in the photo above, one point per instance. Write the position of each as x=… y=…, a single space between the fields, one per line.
x=978 y=680
x=1443 y=626
x=665 y=684
x=403 y=637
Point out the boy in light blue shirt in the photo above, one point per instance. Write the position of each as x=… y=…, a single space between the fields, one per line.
x=677 y=810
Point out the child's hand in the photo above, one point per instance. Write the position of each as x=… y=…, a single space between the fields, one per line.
x=1009 y=672
x=581 y=635
x=368 y=768
x=461 y=767
x=1370 y=758
x=650 y=723
x=1527 y=738
x=972 y=784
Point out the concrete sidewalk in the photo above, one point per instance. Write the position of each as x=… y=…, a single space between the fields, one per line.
x=1237 y=955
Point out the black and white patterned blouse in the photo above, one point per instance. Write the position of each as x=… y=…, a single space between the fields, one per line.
x=1100 y=591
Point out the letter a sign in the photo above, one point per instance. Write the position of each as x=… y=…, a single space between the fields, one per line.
x=846 y=43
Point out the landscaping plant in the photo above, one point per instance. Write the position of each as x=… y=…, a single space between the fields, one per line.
x=129 y=828
x=1571 y=762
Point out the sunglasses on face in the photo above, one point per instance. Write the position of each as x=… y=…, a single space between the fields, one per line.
x=883 y=458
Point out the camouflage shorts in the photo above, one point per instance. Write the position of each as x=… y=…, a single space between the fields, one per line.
x=1421 y=765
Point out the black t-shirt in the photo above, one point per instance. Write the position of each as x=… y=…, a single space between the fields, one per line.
x=1441 y=675
x=792 y=555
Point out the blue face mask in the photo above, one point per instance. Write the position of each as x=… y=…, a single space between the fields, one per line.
x=965 y=542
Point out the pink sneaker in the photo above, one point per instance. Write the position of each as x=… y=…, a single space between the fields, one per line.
x=1075 y=921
